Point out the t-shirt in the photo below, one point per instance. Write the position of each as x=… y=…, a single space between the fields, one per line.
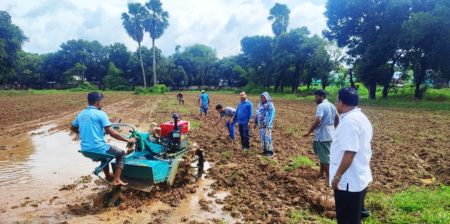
x=91 y=123
x=325 y=130
x=227 y=112
x=354 y=133
x=179 y=96
x=204 y=99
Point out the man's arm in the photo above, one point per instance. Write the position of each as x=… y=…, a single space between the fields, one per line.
x=117 y=136
x=313 y=126
x=250 y=114
x=336 y=121
x=75 y=129
x=198 y=101
x=347 y=160
x=218 y=120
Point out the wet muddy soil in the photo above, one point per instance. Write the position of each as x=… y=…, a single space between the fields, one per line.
x=44 y=179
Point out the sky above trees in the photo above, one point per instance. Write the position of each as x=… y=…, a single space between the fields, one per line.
x=220 y=24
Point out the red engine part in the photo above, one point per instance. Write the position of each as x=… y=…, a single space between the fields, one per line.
x=167 y=127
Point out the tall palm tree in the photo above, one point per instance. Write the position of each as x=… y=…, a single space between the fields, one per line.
x=133 y=22
x=156 y=22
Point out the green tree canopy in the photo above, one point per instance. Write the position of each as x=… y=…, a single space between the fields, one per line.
x=134 y=22
x=279 y=14
x=156 y=21
x=11 y=40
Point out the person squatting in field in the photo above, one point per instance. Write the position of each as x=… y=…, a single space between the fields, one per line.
x=264 y=119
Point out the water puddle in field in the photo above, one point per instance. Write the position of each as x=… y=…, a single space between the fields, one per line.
x=41 y=160
x=34 y=166
x=204 y=204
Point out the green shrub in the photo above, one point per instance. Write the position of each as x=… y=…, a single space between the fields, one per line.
x=158 y=89
x=114 y=79
x=300 y=161
x=84 y=86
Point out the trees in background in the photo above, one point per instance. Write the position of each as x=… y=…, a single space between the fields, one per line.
x=11 y=40
x=134 y=22
x=156 y=21
x=379 y=36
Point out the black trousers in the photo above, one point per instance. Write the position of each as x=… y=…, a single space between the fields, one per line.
x=349 y=206
x=245 y=135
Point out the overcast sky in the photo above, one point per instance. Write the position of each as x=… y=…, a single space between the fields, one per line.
x=220 y=24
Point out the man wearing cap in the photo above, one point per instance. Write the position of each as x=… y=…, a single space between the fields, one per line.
x=351 y=151
x=323 y=127
x=204 y=103
x=91 y=124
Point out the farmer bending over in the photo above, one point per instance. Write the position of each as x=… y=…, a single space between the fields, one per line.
x=180 y=98
x=90 y=124
x=229 y=113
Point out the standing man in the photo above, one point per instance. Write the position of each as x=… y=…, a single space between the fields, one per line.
x=90 y=124
x=229 y=113
x=244 y=112
x=203 y=101
x=323 y=128
x=350 y=158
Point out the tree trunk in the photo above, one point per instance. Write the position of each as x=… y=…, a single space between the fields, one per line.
x=352 y=84
x=142 y=65
x=154 y=62
x=372 y=90
x=385 y=90
x=277 y=85
x=418 y=93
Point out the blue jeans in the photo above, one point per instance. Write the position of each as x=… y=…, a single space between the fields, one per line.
x=230 y=126
x=245 y=135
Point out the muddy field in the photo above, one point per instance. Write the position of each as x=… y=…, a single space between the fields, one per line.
x=44 y=179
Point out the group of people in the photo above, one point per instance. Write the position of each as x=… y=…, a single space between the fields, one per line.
x=342 y=140
x=243 y=117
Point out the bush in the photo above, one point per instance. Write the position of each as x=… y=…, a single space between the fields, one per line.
x=251 y=88
x=158 y=89
x=84 y=86
x=114 y=79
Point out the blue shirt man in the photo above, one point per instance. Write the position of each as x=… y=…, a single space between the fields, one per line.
x=91 y=124
x=244 y=113
x=203 y=100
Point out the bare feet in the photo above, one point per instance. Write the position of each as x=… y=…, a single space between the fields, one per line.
x=119 y=183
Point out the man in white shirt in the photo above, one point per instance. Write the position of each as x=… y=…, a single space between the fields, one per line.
x=350 y=155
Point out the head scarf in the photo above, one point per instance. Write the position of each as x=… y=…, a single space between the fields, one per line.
x=263 y=111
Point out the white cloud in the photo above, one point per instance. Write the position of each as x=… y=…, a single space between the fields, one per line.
x=220 y=24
